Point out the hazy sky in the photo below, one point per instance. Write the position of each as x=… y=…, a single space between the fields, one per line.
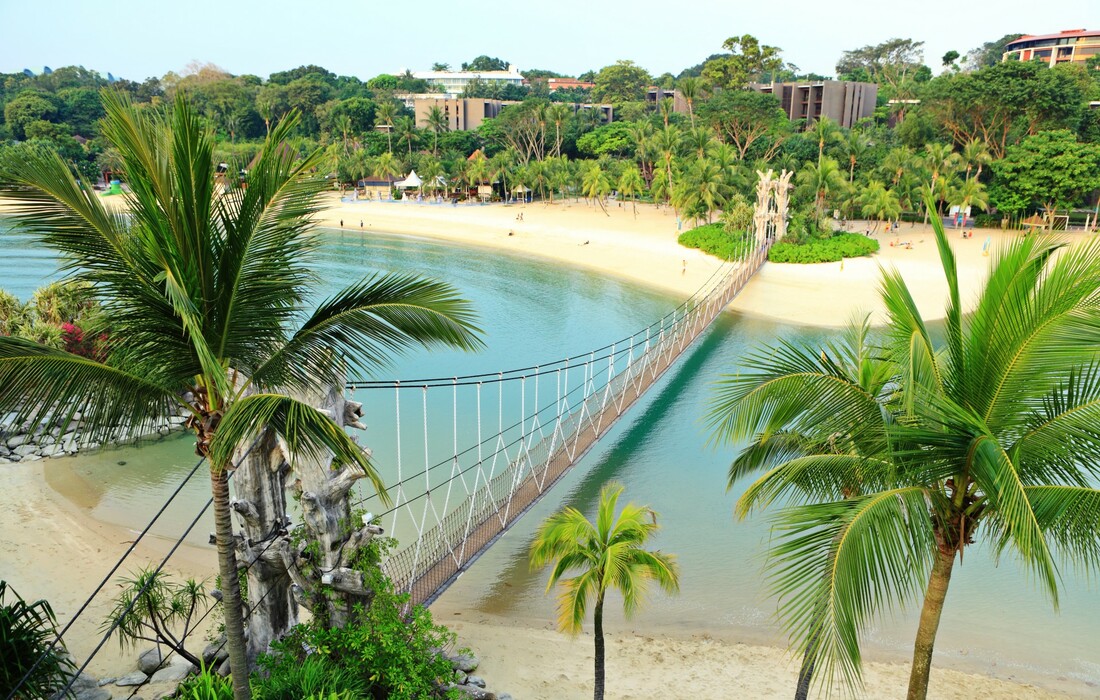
x=137 y=39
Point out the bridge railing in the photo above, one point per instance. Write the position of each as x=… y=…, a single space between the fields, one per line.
x=548 y=441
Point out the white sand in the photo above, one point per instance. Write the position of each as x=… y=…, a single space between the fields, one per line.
x=52 y=548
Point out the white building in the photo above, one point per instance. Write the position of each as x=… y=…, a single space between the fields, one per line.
x=454 y=82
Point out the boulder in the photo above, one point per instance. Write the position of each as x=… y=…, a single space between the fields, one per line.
x=475 y=680
x=52 y=451
x=504 y=696
x=215 y=653
x=135 y=678
x=18 y=440
x=463 y=662
x=149 y=661
x=32 y=458
x=472 y=692
x=460 y=676
x=177 y=671
x=26 y=450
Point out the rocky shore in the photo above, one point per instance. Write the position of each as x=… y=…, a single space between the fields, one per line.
x=22 y=442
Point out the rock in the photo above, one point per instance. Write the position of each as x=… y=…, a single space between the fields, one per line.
x=472 y=692
x=214 y=653
x=476 y=680
x=18 y=440
x=179 y=670
x=460 y=676
x=4 y=451
x=463 y=662
x=92 y=694
x=26 y=450
x=5 y=460
x=106 y=681
x=150 y=660
x=32 y=458
x=14 y=458
x=52 y=451
x=504 y=696
x=135 y=678
x=223 y=670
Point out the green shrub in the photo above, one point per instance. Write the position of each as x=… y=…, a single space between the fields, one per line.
x=208 y=685
x=284 y=677
x=713 y=239
x=395 y=654
x=841 y=245
x=26 y=631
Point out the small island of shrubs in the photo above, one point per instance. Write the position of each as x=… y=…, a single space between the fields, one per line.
x=803 y=243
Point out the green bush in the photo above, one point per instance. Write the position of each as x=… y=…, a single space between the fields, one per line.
x=284 y=677
x=394 y=654
x=839 y=246
x=208 y=685
x=26 y=631
x=713 y=239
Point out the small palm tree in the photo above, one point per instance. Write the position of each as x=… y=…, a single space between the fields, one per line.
x=824 y=130
x=975 y=154
x=437 y=122
x=690 y=88
x=819 y=181
x=878 y=203
x=969 y=192
x=385 y=115
x=608 y=554
x=595 y=185
x=631 y=184
x=855 y=145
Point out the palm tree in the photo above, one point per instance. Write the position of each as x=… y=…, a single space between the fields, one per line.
x=940 y=161
x=405 y=128
x=990 y=432
x=559 y=114
x=342 y=125
x=385 y=114
x=232 y=125
x=699 y=140
x=667 y=144
x=879 y=203
x=437 y=122
x=631 y=184
x=690 y=88
x=897 y=162
x=855 y=145
x=699 y=189
x=824 y=130
x=975 y=154
x=969 y=192
x=206 y=296
x=608 y=554
x=666 y=108
x=595 y=185
x=819 y=181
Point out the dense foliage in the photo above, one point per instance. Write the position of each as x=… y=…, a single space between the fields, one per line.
x=26 y=631
x=716 y=240
x=61 y=315
x=837 y=247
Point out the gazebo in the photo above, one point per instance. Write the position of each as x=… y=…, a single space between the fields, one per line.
x=410 y=182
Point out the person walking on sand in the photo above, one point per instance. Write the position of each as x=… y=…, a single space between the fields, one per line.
x=341 y=223
x=360 y=224
x=684 y=268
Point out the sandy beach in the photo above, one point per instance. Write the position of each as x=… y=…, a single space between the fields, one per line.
x=52 y=548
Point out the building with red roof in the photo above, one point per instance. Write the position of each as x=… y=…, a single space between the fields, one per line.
x=1067 y=46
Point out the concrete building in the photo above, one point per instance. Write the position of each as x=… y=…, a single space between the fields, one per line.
x=842 y=101
x=463 y=114
x=454 y=82
x=1067 y=46
x=655 y=95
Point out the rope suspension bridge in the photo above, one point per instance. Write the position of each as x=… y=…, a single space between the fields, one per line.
x=531 y=426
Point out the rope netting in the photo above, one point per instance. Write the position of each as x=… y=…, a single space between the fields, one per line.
x=531 y=425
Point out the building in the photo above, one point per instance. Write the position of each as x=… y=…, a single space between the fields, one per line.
x=463 y=114
x=655 y=95
x=1070 y=45
x=555 y=84
x=467 y=114
x=454 y=82
x=842 y=101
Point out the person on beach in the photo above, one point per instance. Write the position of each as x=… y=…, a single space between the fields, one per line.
x=341 y=223
x=360 y=224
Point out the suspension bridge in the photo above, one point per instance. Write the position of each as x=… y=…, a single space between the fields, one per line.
x=531 y=425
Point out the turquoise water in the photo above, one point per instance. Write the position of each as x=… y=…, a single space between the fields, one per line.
x=533 y=312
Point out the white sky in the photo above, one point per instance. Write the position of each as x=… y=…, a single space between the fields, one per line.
x=135 y=39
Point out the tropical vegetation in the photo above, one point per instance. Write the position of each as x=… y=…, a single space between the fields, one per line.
x=887 y=455
x=206 y=295
x=31 y=665
x=607 y=555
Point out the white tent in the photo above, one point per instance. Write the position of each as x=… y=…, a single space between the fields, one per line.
x=413 y=180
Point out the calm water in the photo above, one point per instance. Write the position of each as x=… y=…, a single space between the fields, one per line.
x=532 y=312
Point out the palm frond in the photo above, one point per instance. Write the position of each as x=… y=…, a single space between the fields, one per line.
x=1069 y=517
x=304 y=429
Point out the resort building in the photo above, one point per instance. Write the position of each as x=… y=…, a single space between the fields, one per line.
x=454 y=82
x=467 y=114
x=556 y=84
x=842 y=101
x=463 y=114
x=1070 y=45
x=655 y=95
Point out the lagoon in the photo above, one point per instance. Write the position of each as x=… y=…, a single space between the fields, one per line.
x=996 y=621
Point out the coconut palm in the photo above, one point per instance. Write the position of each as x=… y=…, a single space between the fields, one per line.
x=975 y=154
x=437 y=122
x=559 y=114
x=698 y=191
x=989 y=433
x=595 y=184
x=341 y=124
x=609 y=554
x=699 y=140
x=666 y=143
x=206 y=297
x=898 y=162
x=819 y=181
x=824 y=130
x=631 y=184
x=690 y=88
x=879 y=203
x=940 y=161
x=855 y=145
x=385 y=114
x=967 y=193
x=406 y=131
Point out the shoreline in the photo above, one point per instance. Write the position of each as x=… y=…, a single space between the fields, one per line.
x=72 y=546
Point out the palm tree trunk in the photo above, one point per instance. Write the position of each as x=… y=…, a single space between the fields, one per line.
x=230 y=584
x=598 y=623
x=929 y=624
